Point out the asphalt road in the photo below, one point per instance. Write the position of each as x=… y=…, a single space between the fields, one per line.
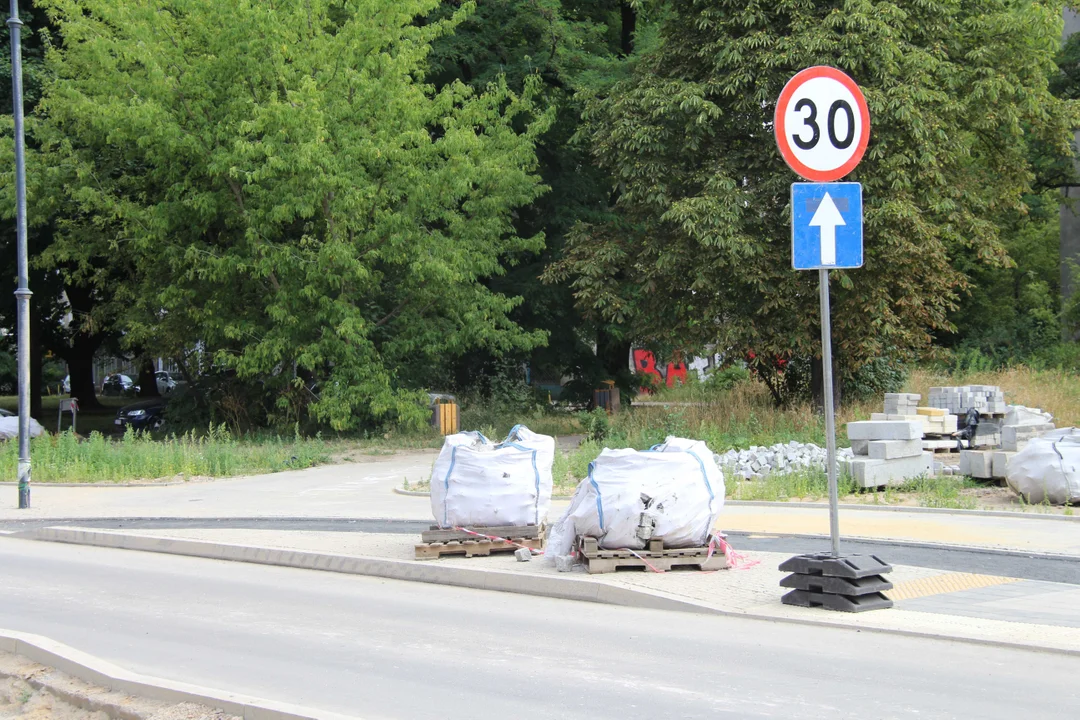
x=385 y=649
x=1027 y=566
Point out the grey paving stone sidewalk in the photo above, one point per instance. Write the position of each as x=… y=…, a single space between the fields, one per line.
x=1028 y=601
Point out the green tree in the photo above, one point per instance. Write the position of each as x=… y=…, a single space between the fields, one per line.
x=283 y=190
x=701 y=249
x=571 y=48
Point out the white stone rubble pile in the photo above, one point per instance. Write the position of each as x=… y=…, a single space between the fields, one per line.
x=759 y=462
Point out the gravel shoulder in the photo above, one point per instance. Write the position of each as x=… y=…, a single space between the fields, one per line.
x=30 y=691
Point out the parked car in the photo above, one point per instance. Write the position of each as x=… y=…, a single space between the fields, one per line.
x=118 y=385
x=144 y=415
x=165 y=382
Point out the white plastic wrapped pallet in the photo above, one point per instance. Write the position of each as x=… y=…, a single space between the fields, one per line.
x=677 y=483
x=477 y=483
x=1048 y=468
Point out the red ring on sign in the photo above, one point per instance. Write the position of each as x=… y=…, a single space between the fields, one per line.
x=780 y=128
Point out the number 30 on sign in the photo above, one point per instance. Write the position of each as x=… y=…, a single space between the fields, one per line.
x=822 y=124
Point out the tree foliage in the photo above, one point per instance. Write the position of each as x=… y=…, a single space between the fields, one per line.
x=700 y=251
x=568 y=47
x=282 y=189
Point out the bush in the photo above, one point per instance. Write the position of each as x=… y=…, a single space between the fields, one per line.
x=9 y=374
x=727 y=378
x=597 y=424
x=880 y=375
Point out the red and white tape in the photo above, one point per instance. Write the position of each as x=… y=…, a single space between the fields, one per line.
x=736 y=561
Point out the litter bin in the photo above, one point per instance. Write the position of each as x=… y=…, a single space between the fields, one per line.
x=607 y=397
x=444 y=413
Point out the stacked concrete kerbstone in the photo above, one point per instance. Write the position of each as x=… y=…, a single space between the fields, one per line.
x=987 y=399
x=781 y=459
x=1015 y=437
x=887 y=452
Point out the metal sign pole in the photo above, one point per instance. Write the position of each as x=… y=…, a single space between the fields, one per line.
x=830 y=418
x=22 y=294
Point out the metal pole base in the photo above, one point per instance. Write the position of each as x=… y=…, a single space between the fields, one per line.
x=24 y=497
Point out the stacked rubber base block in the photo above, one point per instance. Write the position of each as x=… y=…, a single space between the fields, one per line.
x=887 y=452
x=847 y=583
x=655 y=557
x=481 y=541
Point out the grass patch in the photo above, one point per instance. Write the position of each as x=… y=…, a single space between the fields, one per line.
x=64 y=458
x=495 y=423
x=806 y=485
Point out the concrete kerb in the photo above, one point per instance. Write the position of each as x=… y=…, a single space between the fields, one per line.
x=555 y=587
x=411 y=493
x=853 y=506
x=1064 y=557
x=8 y=483
x=94 y=670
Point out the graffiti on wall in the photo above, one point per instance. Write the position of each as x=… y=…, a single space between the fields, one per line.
x=644 y=362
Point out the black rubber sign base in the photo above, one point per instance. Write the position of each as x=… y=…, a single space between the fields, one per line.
x=848 y=583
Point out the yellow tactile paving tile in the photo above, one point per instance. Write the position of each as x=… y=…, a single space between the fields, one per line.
x=945 y=583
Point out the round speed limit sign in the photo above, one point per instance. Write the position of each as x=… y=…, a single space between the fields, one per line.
x=822 y=124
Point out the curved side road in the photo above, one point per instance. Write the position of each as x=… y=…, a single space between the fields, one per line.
x=94 y=670
x=374 y=648
x=1059 y=640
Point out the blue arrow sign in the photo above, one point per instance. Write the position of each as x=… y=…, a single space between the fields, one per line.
x=826 y=225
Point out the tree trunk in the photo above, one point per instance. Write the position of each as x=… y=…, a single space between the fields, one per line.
x=80 y=360
x=629 y=26
x=84 y=344
x=614 y=354
x=147 y=379
x=817 y=385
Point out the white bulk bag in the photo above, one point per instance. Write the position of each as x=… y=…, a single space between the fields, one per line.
x=1048 y=468
x=477 y=483
x=9 y=428
x=677 y=484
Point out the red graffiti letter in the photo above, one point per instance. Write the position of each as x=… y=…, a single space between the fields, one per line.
x=645 y=364
x=676 y=370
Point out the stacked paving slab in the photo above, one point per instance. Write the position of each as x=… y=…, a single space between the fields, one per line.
x=901 y=403
x=987 y=399
x=887 y=452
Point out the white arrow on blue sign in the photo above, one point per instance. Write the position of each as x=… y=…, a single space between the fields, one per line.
x=826 y=225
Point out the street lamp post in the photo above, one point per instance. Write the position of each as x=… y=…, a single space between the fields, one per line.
x=22 y=294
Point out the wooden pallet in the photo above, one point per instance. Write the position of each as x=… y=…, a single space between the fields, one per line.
x=475 y=547
x=940 y=446
x=438 y=534
x=599 y=560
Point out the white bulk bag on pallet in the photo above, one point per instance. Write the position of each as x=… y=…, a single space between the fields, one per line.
x=1048 y=468
x=478 y=483
x=677 y=484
